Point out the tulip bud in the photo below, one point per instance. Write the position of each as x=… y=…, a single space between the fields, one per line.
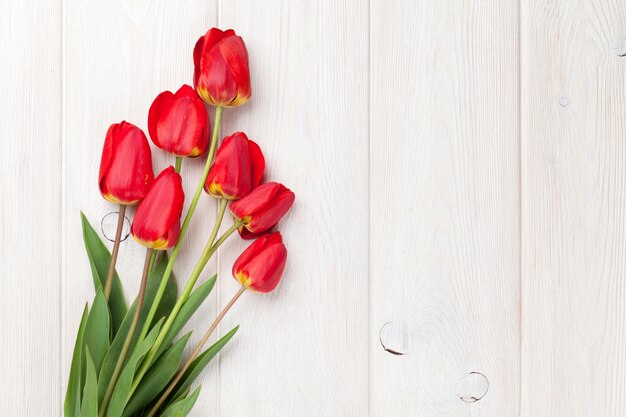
x=126 y=165
x=178 y=123
x=261 y=265
x=263 y=208
x=221 y=74
x=237 y=170
x=157 y=221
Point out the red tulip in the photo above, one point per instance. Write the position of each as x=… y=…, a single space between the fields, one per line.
x=178 y=123
x=237 y=170
x=221 y=74
x=157 y=221
x=263 y=208
x=126 y=165
x=261 y=265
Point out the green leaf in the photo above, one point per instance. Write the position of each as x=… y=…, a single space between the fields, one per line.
x=97 y=330
x=110 y=360
x=182 y=407
x=89 y=406
x=198 y=365
x=196 y=298
x=157 y=378
x=99 y=258
x=71 y=407
x=165 y=306
x=121 y=393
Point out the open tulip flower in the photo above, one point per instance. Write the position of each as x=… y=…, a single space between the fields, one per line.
x=261 y=265
x=126 y=165
x=129 y=360
x=237 y=170
x=221 y=74
x=157 y=221
x=264 y=207
x=178 y=123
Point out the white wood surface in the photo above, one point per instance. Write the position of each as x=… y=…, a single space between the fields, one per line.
x=573 y=217
x=460 y=171
x=444 y=204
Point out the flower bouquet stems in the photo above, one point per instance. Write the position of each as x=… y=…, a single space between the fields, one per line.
x=129 y=360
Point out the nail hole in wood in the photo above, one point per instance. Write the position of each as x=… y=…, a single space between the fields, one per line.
x=108 y=225
x=472 y=387
x=396 y=338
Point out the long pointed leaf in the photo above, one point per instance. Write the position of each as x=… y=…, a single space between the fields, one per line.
x=196 y=298
x=97 y=330
x=182 y=407
x=198 y=365
x=71 y=406
x=165 y=306
x=122 y=389
x=99 y=258
x=89 y=407
x=157 y=378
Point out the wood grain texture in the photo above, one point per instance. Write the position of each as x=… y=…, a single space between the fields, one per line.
x=444 y=204
x=302 y=350
x=30 y=231
x=118 y=56
x=573 y=217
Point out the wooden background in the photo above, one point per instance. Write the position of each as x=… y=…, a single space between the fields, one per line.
x=460 y=171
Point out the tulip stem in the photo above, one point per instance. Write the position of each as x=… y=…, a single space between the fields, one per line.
x=129 y=337
x=207 y=253
x=183 y=229
x=153 y=260
x=178 y=163
x=116 y=248
x=196 y=351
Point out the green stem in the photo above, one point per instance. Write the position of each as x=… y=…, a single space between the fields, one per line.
x=129 y=337
x=196 y=352
x=153 y=260
x=178 y=164
x=183 y=229
x=207 y=253
x=116 y=248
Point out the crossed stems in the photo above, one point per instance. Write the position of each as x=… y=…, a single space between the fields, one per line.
x=209 y=250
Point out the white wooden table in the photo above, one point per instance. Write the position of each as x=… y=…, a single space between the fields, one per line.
x=460 y=171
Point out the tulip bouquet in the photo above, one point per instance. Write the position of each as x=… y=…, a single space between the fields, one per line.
x=128 y=360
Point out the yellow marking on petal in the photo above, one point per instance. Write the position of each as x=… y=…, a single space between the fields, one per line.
x=158 y=244
x=243 y=279
x=195 y=152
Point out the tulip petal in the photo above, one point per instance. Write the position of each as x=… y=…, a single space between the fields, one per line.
x=257 y=162
x=235 y=54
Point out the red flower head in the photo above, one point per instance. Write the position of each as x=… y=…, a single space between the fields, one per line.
x=178 y=123
x=263 y=208
x=260 y=267
x=221 y=75
x=126 y=165
x=157 y=221
x=237 y=170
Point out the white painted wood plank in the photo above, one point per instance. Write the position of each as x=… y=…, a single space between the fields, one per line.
x=444 y=204
x=30 y=86
x=302 y=350
x=118 y=56
x=573 y=217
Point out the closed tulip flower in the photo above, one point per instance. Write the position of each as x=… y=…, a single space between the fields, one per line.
x=261 y=265
x=237 y=170
x=178 y=123
x=157 y=221
x=221 y=73
x=126 y=165
x=264 y=207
